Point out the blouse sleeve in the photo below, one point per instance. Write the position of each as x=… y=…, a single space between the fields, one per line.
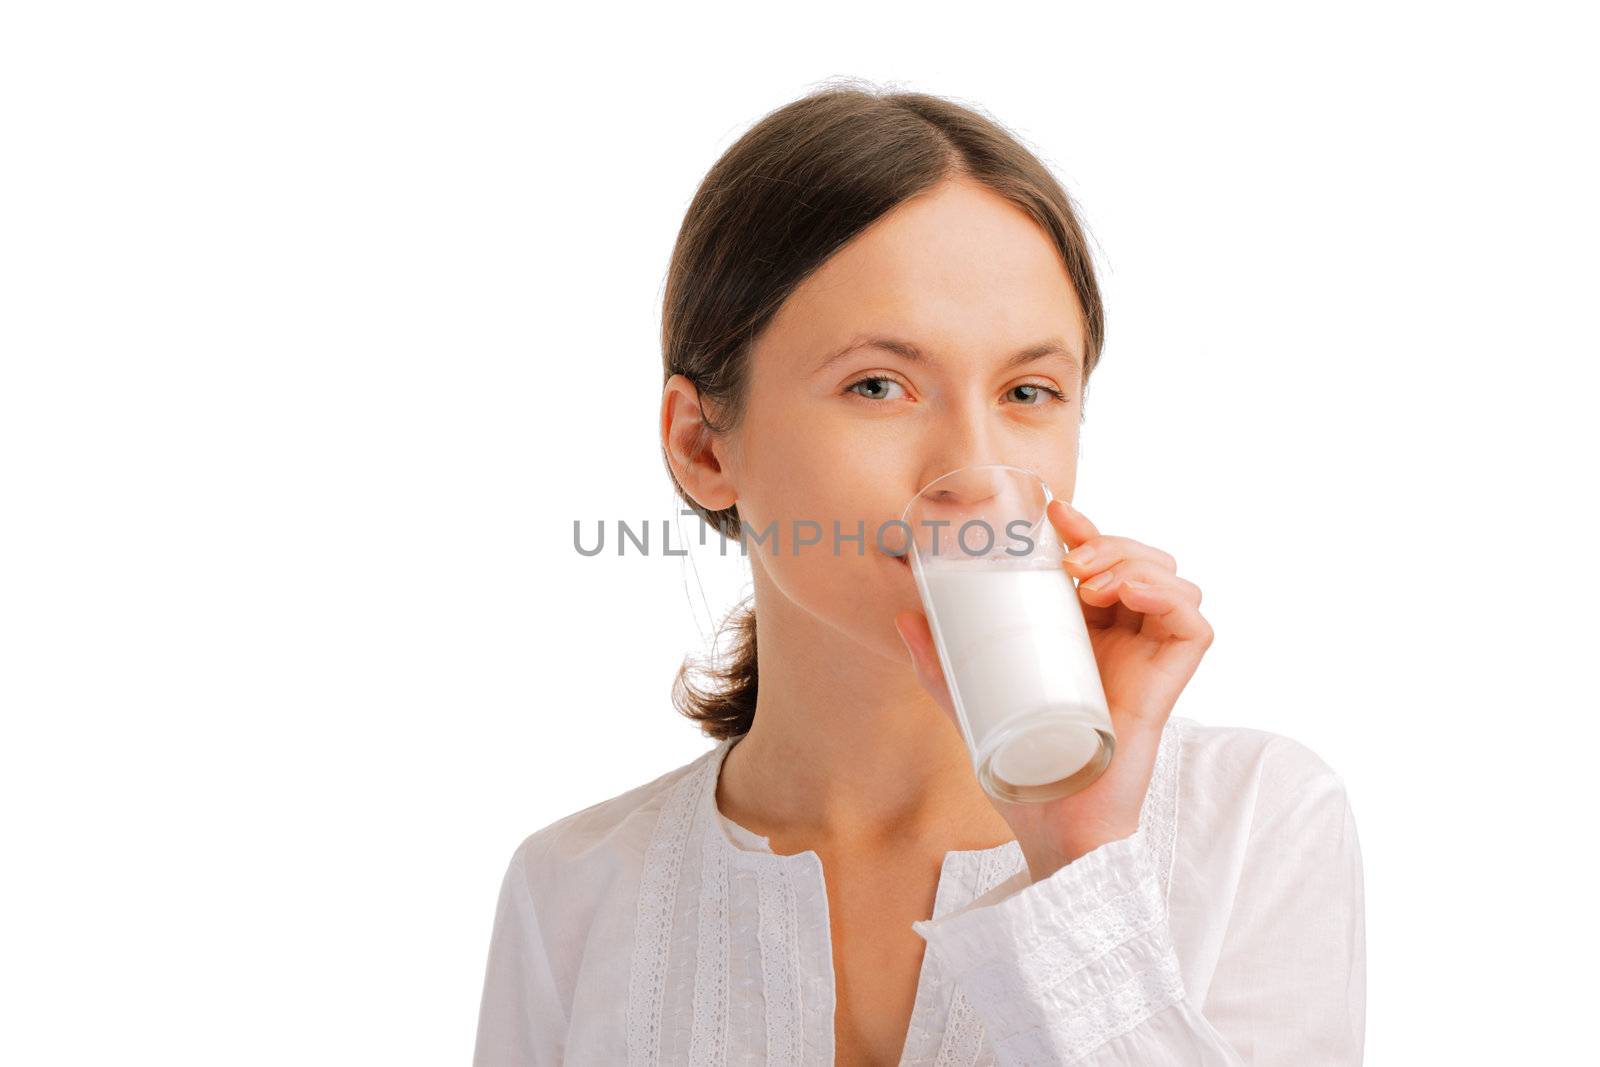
x=521 y=1022
x=1080 y=967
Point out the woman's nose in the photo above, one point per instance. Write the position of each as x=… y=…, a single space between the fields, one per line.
x=965 y=438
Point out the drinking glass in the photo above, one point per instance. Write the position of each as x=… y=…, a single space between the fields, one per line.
x=1010 y=632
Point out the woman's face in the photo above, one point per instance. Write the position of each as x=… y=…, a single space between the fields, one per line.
x=838 y=427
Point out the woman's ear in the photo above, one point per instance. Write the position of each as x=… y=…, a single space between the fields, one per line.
x=690 y=447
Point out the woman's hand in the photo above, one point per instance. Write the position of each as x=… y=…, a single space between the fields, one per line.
x=1148 y=636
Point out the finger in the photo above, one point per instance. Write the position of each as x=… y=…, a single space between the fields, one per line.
x=1099 y=584
x=918 y=637
x=1169 y=616
x=1098 y=553
x=1086 y=543
x=1074 y=528
x=1073 y=525
x=911 y=626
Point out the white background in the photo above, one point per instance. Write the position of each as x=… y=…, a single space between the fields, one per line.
x=322 y=322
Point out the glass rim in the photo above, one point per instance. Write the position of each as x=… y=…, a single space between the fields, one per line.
x=1049 y=495
x=1042 y=522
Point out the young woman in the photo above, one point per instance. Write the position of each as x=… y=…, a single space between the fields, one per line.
x=870 y=290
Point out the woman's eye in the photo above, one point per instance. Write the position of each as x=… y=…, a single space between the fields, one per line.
x=876 y=383
x=1029 y=394
x=1028 y=400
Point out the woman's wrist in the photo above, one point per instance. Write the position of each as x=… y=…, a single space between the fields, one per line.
x=1046 y=859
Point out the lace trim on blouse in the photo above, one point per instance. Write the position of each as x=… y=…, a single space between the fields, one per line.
x=963 y=1041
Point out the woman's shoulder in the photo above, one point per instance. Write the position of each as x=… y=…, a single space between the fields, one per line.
x=602 y=839
x=1270 y=767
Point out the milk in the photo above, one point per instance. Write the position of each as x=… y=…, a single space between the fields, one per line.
x=1017 y=657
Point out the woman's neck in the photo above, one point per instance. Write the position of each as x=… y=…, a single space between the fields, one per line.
x=846 y=748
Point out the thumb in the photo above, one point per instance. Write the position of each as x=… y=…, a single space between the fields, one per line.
x=918 y=638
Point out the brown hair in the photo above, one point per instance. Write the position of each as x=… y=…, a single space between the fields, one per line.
x=787 y=195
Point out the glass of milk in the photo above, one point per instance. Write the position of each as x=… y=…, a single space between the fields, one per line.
x=1010 y=632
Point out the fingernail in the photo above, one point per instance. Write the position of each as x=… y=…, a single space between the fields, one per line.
x=1099 y=581
x=1080 y=555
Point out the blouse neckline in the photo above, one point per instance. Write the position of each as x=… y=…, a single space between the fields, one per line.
x=750 y=848
x=693 y=844
x=747 y=849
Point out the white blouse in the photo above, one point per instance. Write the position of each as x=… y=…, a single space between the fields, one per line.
x=1229 y=929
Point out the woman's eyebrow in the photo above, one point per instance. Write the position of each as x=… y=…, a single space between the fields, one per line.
x=908 y=351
